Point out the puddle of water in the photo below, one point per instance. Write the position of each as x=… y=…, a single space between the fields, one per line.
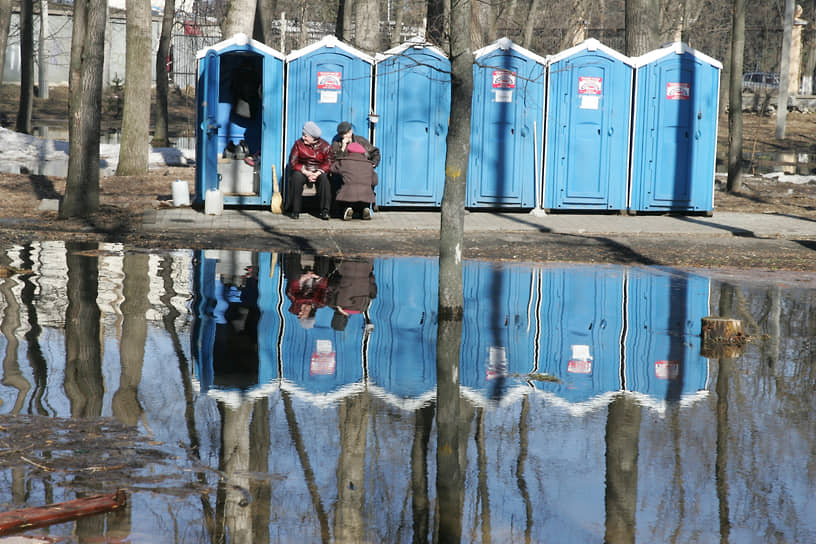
x=299 y=397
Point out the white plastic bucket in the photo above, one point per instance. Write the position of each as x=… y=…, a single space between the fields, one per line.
x=213 y=202
x=181 y=193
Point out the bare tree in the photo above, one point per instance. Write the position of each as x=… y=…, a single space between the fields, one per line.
x=451 y=235
x=529 y=24
x=437 y=17
x=734 y=183
x=576 y=25
x=240 y=18
x=84 y=108
x=265 y=15
x=42 y=54
x=134 y=150
x=396 y=33
x=5 y=21
x=642 y=26
x=26 y=67
x=784 y=72
x=160 y=132
x=367 y=25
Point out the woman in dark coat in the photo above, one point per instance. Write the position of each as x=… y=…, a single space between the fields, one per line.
x=356 y=194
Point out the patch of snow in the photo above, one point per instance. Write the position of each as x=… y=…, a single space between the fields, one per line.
x=790 y=178
x=23 y=153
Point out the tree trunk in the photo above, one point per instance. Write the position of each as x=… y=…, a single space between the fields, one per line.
x=529 y=24
x=85 y=106
x=784 y=72
x=438 y=13
x=367 y=25
x=42 y=54
x=734 y=183
x=161 y=136
x=576 y=25
x=265 y=17
x=5 y=21
x=26 y=67
x=396 y=34
x=134 y=149
x=240 y=17
x=451 y=235
x=642 y=26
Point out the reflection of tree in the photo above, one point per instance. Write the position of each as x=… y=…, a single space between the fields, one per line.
x=232 y=504
x=420 y=505
x=522 y=458
x=622 y=432
x=126 y=407
x=12 y=376
x=308 y=472
x=36 y=359
x=481 y=465
x=169 y=320
x=728 y=295
x=260 y=489
x=449 y=469
x=83 y=355
x=349 y=522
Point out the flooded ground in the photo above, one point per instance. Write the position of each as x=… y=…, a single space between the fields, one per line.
x=264 y=397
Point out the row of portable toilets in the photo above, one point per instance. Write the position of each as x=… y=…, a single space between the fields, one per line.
x=595 y=331
x=586 y=129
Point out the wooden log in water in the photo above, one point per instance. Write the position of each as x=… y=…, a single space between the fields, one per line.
x=41 y=516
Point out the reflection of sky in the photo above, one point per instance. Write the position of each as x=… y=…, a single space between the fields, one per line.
x=534 y=437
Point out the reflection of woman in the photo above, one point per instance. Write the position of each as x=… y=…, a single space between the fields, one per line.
x=307 y=288
x=351 y=290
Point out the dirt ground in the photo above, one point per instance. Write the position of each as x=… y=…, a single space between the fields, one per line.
x=123 y=199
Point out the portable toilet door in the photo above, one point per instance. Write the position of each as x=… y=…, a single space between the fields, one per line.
x=327 y=82
x=589 y=97
x=675 y=130
x=413 y=87
x=506 y=127
x=239 y=98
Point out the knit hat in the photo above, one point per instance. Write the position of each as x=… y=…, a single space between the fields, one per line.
x=312 y=129
x=354 y=147
x=343 y=127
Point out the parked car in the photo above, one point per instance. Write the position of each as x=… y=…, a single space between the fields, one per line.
x=760 y=81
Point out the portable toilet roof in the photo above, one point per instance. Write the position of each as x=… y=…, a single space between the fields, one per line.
x=506 y=43
x=329 y=41
x=417 y=42
x=591 y=44
x=677 y=48
x=239 y=41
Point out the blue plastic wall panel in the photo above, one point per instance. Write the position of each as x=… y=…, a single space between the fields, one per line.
x=270 y=295
x=500 y=327
x=218 y=125
x=582 y=316
x=413 y=103
x=207 y=125
x=588 y=123
x=203 y=335
x=327 y=85
x=506 y=130
x=675 y=135
x=662 y=357
x=402 y=349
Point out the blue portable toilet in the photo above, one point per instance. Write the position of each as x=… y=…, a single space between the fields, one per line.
x=506 y=127
x=413 y=93
x=589 y=96
x=675 y=130
x=327 y=82
x=239 y=97
x=662 y=345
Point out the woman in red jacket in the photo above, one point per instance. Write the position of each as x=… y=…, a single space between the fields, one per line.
x=309 y=162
